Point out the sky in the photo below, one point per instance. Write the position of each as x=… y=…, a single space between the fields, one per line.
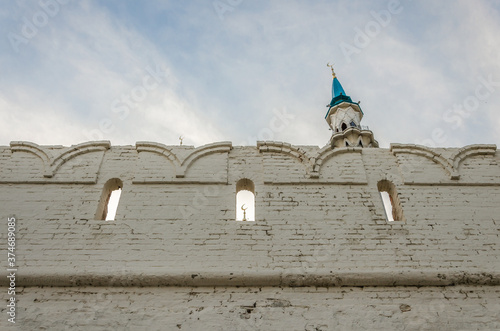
x=426 y=72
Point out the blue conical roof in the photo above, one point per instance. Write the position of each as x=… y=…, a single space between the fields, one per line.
x=337 y=88
x=338 y=94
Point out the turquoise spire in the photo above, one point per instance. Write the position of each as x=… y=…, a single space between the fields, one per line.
x=338 y=93
x=337 y=87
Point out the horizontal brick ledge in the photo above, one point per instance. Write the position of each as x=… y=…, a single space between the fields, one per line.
x=257 y=279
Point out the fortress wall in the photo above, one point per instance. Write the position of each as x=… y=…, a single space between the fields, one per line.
x=284 y=248
x=320 y=255
x=161 y=180
x=265 y=308
x=323 y=224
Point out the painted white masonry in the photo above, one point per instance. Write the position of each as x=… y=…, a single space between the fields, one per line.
x=320 y=255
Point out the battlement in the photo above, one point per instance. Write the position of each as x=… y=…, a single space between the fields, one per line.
x=319 y=216
x=321 y=248
x=148 y=162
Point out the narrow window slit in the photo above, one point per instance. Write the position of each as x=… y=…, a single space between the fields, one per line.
x=245 y=200
x=110 y=197
x=386 y=200
x=390 y=200
x=114 y=198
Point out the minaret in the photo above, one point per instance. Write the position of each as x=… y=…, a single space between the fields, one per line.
x=344 y=118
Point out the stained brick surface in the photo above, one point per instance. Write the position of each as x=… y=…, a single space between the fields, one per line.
x=319 y=223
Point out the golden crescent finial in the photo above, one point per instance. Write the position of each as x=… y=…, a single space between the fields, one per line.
x=331 y=67
x=180 y=138
x=244 y=212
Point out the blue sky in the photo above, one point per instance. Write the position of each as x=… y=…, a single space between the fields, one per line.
x=426 y=72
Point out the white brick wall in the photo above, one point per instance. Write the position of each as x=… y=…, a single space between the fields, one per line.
x=263 y=308
x=320 y=222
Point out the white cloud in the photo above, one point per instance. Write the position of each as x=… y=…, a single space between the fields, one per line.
x=225 y=78
x=90 y=62
x=44 y=125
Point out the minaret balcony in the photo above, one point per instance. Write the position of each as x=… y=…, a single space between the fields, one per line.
x=353 y=136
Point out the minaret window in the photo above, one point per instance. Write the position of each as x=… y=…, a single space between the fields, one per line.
x=245 y=200
x=353 y=124
x=344 y=126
